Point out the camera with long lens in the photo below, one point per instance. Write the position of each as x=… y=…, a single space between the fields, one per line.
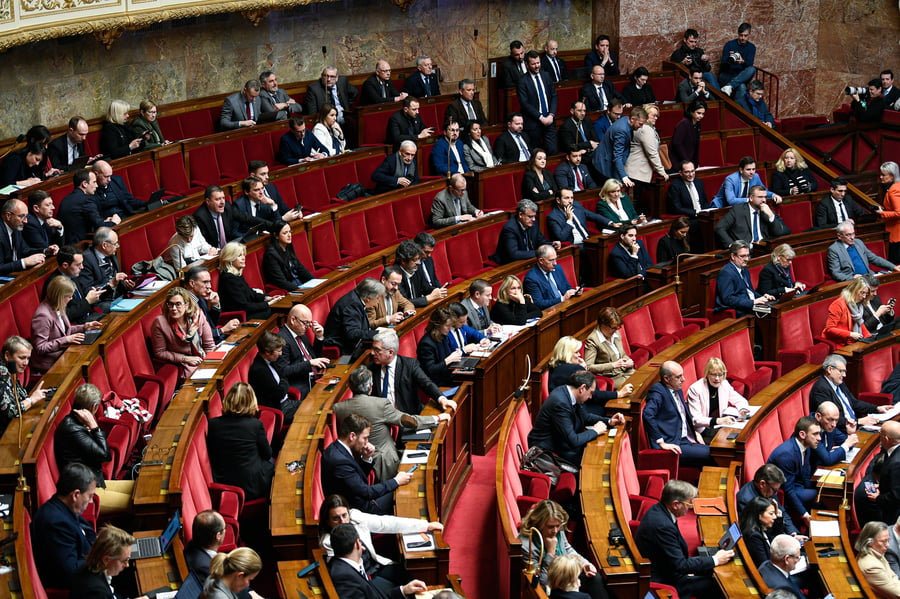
x=734 y=57
x=859 y=91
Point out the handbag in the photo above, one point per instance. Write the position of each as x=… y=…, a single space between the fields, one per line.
x=539 y=460
x=664 y=157
x=159 y=267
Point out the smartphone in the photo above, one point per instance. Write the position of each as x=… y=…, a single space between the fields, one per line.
x=732 y=436
x=870 y=487
x=613 y=560
x=892 y=301
x=413 y=469
x=303 y=572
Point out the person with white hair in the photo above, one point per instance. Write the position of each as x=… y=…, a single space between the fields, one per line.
x=889 y=176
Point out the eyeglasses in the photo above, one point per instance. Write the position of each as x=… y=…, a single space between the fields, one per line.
x=382 y=350
x=175 y=304
x=306 y=323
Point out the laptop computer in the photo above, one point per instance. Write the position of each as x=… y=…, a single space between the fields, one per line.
x=190 y=588
x=91 y=336
x=156 y=546
x=883 y=332
x=466 y=364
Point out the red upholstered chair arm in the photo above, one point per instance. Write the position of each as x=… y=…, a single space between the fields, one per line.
x=535 y=484
x=565 y=489
x=792 y=358
x=775 y=366
x=526 y=502
x=878 y=399
x=658 y=459
x=701 y=322
x=226 y=316
x=826 y=341
x=715 y=317
x=228 y=499
x=652 y=482
x=332 y=352
x=604 y=383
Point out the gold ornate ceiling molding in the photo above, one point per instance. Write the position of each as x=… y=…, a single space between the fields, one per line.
x=28 y=21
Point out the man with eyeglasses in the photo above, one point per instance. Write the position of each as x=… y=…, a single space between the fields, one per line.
x=447 y=153
x=767 y=481
x=734 y=290
x=101 y=267
x=668 y=422
x=198 y=283
x=686 y=194
x=275 y=103
x=520 y=238
x=300 y=361
x=848 y=257
x=452 y=206
x=79 y=211
x=414 y=287
x=661 y=542
x=14 y=254
x=776 y=571
x=378 y=89
x=830 y=387
x=399 y=170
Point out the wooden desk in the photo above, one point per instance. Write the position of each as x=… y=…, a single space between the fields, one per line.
x=156 y=572
x=840 y=574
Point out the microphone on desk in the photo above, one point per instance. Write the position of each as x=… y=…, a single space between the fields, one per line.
x=532 y=569
x=22 y=484
x=518 y=393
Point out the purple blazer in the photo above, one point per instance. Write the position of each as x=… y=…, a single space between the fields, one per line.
x=48 y=335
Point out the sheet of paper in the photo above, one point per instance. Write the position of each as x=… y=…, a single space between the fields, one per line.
x=203 y=374
x=418 y=457
x=417 y=538
x=824 y=528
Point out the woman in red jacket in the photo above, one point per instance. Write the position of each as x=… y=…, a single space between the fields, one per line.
x=845 y=322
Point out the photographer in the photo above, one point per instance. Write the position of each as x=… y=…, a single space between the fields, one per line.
x=867 y=107
x=736 y=67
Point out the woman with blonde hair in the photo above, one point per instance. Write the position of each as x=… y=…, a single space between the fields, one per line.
x=16 y=353
x=776 y=277
x=615 y=205
x=232 y=572
x=51 y=331
x=889 y=177
x=713 y=401
x=513 y=306
x=549 y=518
x=791 y=175
x=187 y=245
x=563 y=578
x=109 y=555
x=603 y=350
x=565 y=360
x=116 y=140
x=643 y=159
x=234 y=292
x=181 y=335
x=871 y=545
x=846 y=315
x=146 y=126
x=239 y=451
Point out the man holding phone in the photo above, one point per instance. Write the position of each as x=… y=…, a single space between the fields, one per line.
x=393 y=307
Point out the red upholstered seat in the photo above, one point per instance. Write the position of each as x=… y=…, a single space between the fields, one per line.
x=711 y=155
x=737 y=349
x=172 y=175
x=641 y=334
x=663 y=88
x=338 y=176
x=134 y=248
x=738 y=146
x=797 y=345
x=666 y=316
x=408 y=216
x=231 y=160
x=312 y=191
x=381 y=227
x=353 y=235
x=498 y=192
x=326 y=254
x=204 y=166
x=129 y=382
x=23 y=304
x=142 y=180
x=465 y=256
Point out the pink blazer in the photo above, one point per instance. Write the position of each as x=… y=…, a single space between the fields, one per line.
x=169 y=348
x=48 y=335
x=730 y=403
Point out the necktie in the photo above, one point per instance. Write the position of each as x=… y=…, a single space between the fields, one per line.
x=107 y=270
x=555 y=68
x=483 y=324
x=576 y=224
x=687 y=424
x=522 y=148
x=601 y=96
x=851 y=415
x=77 y=293
x=73 y=150
x=303 y=350
x=755 y=224
x=337 y=104
x=222 y=239
x=427 y=85
x=522 y=67
x=581 y=132
x=384 y=90
x=456 y=207
x=745 y=189
x=385 y=376
x=859 y=267
x=388 y=305
x=460 y=340
x=579 y=183
x=695 y=197
x=540 y=91
x=249 y=110
x=471 y=112
x=843 y=212
x=553 y=284
x=405 y=170
x=12 y=244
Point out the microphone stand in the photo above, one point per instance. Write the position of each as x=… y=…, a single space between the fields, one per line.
x=532 y=569
x=678 y=266
x=22 y=484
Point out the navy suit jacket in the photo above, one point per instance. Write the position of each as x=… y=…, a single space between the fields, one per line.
x=731 y=290
x=529 y=101
x=889 y=488
x=344 y=475
x=432 y=355
x=417 y=87
x=7 y=264
x=559 y=228
x=565 y=176
x=659 y=540
x=212 y=317
x=517 y=244
x=61 y=541
x=92 y=275
x=350 y=583
x=292 y=150
x=568 y=136
x=295 y=367
x=208 y=228
x=409 y=381
x=623 y=266
x=678 y=200
x=347 y=323
x=38 y=235
x=614 y=148
x=822 y=391
x=783 y=525
x=787 y=457
x=661 y=418
x=507 y=150
x=592 y=98
x=386 y=175
x=775 y=579
x=80 y=215
x=265 y=215
x=116 y=199
x=561 y=427
x=440 y=154
x=539 y=288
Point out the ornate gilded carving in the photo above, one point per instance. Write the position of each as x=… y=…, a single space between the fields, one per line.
x=108 y=37
x=403 y=5
x=255 y=16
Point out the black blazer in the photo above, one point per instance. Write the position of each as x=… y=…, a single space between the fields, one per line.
x=268 y=392
x=514 y=312
x=659 y=540
x=509 y=73
x=560 y=374
x=237 y=296
x=58 y=151
x=678 y=200
x=350 y=583
x=78 y=309
x=826 y=216
x=116 y=199
x=372 y=91
x=346 y=476
x=281 y=266
x=7 y=264
x=73 y=442
x=569 y=136
x=736 y=225
x=822 y=391
x=61 y=540
x=240 y=454
x=757 y=546
x=114 y=140
x=14 y=168
x=80 y=215
x=293 y=364
x=38 y=235
x=772 y=280
x=548 y=68
x=456 y=110
x=517 y=244
x=316 y=97
x=560 y=427
x=92 y=276
x=530 y=182
x=208 y=227
x=869 y=318
x=416 y=86
x=592 y=99
x=409 y=380
x=347 y=323
x=398 y=129
x=415 y=288
x=669 y=248
x=431 y=355
x=87 y=585
x=507 y=150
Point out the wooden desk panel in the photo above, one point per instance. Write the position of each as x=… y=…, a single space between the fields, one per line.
x=156 y=572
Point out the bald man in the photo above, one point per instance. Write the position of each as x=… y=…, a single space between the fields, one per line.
x=835 y=444
x=300 y=359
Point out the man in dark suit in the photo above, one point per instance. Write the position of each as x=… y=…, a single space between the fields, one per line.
x=275 y=103
x=568 y=220
x=300 y=359
x=111 y=194
x=65 y=149
x=207 y=535
x=601 y=55
x=693 y=87
x=889 y=91
x=378 y=89
x=629 y=257
x=415 y=287
x=889 y=484
x=216 y=218
x=552 y=64
x=660 y=541
x=513 y=145
x=405 y=378
x=41 y=229
x=101 y=267
x=753 y=221
x=15 y=255
x=346 y=464
x=545 y=283
x=612 y=153
x=797 y=459
x=80 y=309
x=255 y=209
x=686 y=194
x=426 y=243
x=348 y=572
x=513 y=66
x=61 y=538
x=241 y=109
x=79 y=211
x=407 y=124
x=260 y=170
x=519 y=238
x=269 y=381
x=598 y=92
x=837 y=207
x=398 y=170
x=613 y=113
x=297 y=145
x=465 y=108
x=835 y=443
x=423 y=83
x=767 y=481
x=538 y=102
x=563 y=426
x=330 y=89
x=668 y=421
x=733 y=287
x=198 y=283
x=776 y=571
x=347 y=324
x=572 y=174
x=578 y=131
x=831 y=387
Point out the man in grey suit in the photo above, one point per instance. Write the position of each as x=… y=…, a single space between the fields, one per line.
x=478 y=306
x=452 y=206
x=848 y=257
x=275 y=103
x=381 y=413
x=241 y=109
x=694 y=87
